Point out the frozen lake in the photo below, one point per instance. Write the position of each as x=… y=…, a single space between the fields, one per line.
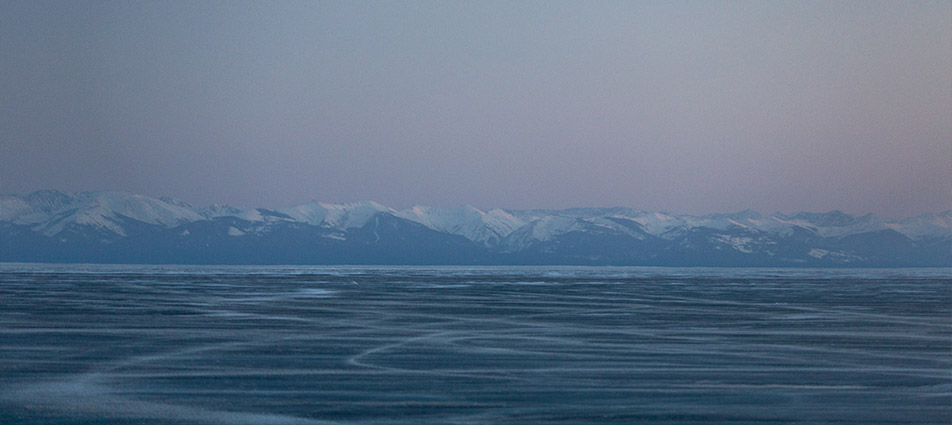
x=415 y=345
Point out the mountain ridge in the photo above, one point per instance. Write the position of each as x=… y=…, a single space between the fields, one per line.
x=45 y=226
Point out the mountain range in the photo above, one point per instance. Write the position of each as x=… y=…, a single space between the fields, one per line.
x=116 y=227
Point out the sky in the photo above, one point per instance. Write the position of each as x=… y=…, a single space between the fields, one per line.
x=689 y=107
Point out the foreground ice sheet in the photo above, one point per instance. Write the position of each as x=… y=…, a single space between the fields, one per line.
x=273 y=345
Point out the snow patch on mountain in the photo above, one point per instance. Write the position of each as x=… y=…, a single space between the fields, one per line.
x=738 y=243
x=837 y=256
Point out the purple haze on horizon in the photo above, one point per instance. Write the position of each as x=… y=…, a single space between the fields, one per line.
x=691 y=107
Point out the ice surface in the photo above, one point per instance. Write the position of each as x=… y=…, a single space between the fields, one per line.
x=88 y=344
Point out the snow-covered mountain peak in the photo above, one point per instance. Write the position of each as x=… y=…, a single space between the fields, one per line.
x=548 y=227
x=467 y=221
x=50 y=212
x=12 y=207
x=53 y=200
x=143 y=208
x=338 y=216
x=217 y=210
x=835 y=218
x=925 y=225
x=177 y=202
x=655 y=223
x=748 y=214
x=541 y=229
x=312 y=213
x=354 y=205
x=502 y=214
